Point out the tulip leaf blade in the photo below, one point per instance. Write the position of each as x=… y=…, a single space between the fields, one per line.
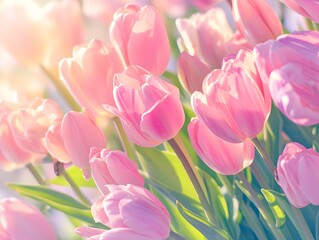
x=278 y=212
x=207 y=229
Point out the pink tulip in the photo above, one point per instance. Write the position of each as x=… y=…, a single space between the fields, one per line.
x=113 y=167
x=204 y=36
x=306 y=8
x=66 y=30
x=256 y=20
x=297 y=174
x=140 y=36
x=234 y=104
x=289 y=65
x=221 y=156
x=150 y=109
x=191 y=72
x=79 y=134
x=126 y=209
x=20 y=220
x=30 y=124
x=237 y=42
x=89 y=75
x=26 y=37
x=204 y=5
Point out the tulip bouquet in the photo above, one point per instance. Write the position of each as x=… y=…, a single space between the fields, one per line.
x=191 y=119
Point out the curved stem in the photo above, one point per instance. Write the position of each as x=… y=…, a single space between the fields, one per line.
x=36 y=174
x=302 y=223
x=180 y=150
x=264 y=155
x=61 y=89
x=175 y=236
x=278 y=234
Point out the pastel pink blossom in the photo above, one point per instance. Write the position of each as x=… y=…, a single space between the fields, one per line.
x=221 y=156
x=30 y=124
x=89 y=75
x=306 y=8
x=113 y=167
x=256 y=20
x=12 y=156
x=297 y=174
x=140 y=36
x=191 y=72
x=204 y=5
x=238 y=42
x=205 y=35
x=235 y=104
x=126 y=209
x=20 y=220
x=79 y=134
x=289 y=65
x=149 y=108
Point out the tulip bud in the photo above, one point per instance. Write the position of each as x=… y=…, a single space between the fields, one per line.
x=221 y=156
x=149 y=108
x=89 y=75
x=289 y=65
x=113 y=167
x=20 y=220
x=126 y=209
x=234 y=104
x=306 y=8
x=297 y=174
x=191 y=72
x=139 y=34
x=256 y=20
x=79 y=134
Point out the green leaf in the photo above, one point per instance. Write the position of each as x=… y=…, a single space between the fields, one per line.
x=207 y=229
x=275 y=208
x=57 y=200
x=317 y=226
x=77 y=177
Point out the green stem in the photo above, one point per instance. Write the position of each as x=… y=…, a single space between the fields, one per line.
x=180 y=150
x=227 y=184
x=277 y=233
x=259 y=176
x=310 y=25
x=61 y=89
x=302 y=223
x=175 y=236
x=264 y=155
x=76 y=190
x=36 y=174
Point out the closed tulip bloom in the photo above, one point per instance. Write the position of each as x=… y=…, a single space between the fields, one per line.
x=126 y=209
x=30 y=124
x=89 y=75
x=234 y=104
x=297 y=174
x=221 y=156
x=20 y=220
x=139 y=34
x=306 y=8
x=113 y=167
x=256 y=20
x=204 y=36
x=79 y=134
x=149 y=108
x=191 y=72
x=289 y=65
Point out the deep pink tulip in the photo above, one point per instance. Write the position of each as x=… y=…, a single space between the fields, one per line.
x=256 y=20
x=79 y=134
x=20 y=220
x=204 y=36
x=297 y=174
x=89 y=75
x=290 y=66
x=191 y=72
x=126 y=209
x=149 y=108
x=221 y=156
x=306 y=8
x=113 y=167
x=30 y=124
x=140 y=36
x=234 y=104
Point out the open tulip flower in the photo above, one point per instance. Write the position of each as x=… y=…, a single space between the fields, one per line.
x=171 y=119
